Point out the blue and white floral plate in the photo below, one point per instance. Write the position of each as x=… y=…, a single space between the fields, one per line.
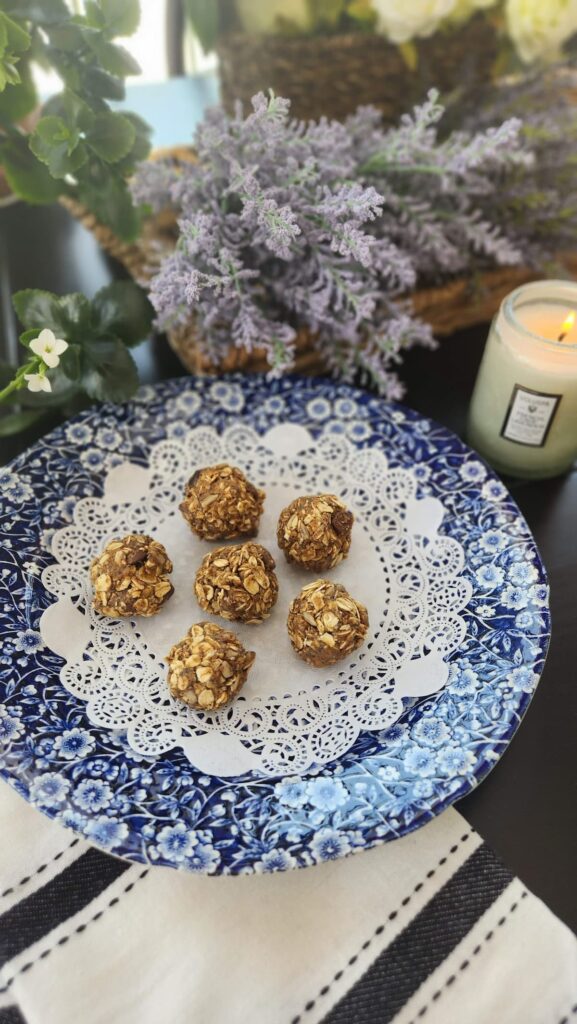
x=391 y=781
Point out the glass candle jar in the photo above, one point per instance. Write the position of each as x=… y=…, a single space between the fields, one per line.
x=523 y=415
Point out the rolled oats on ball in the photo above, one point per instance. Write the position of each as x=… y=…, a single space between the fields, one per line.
x=315 y=531
x=208 y=667
x=130 y=577
x=237 y=582
x=325 y=623
x=220 y=503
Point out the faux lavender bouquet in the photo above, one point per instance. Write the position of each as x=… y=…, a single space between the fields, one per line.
x=322 y=227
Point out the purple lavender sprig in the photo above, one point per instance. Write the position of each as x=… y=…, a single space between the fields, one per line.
x=323 y=226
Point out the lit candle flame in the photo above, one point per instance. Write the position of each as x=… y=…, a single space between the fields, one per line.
x=566 y=326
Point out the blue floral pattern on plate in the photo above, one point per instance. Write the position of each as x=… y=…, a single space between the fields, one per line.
x=390 y=783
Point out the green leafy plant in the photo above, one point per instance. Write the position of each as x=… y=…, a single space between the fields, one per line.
x=79 y=147
x=208 y=18
x=77 y=349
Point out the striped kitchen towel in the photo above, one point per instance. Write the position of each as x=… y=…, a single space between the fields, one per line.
x=430 y=927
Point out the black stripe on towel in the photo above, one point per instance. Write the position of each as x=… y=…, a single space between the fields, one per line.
x=11 y=1015
x=423 y=945
x=65 y=895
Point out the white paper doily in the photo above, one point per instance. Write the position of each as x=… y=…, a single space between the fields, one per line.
x=289 y=716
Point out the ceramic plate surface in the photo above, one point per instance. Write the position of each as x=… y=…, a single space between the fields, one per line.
x=163 y=809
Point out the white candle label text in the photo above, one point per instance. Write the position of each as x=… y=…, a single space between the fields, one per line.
x=529 y=416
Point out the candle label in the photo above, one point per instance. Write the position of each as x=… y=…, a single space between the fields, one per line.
x=529 y=416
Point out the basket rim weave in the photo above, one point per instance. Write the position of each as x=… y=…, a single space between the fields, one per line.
x=326 y=41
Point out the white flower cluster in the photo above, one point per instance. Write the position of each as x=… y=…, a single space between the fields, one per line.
x=48 y=348
x=538 y=28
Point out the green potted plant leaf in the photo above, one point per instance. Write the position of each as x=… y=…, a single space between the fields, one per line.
x=77 y=147
x=77 y=351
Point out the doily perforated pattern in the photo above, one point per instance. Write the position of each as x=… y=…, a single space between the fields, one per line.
x=291 y=717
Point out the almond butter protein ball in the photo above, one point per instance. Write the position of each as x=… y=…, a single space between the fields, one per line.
x=326 y=624
x=130 y=577
x=208 y=667
x=315 y=531
x=220 y=503
x=237 y=582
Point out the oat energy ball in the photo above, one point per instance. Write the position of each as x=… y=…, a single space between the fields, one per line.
x=130 y=577
x=315 y=532
x=220 y=503
x=325 y=623
x=209 y=667
x=237 y=583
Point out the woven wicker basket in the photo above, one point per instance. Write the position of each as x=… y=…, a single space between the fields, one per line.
x=448 y=308
x=458 y=303
x=334 y=74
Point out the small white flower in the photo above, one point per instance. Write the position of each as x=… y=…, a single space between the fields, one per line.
x=494 y=490
x=489 y=576
x=29 y=641
x=93 y=459
x=485 y=611
x=16 y=489
x=421 y=472
x=539 y=594
x=319 y=409
x=144 y=394
x=177 y=429
x=515 y=597
x=49 y=348
x=275 y=405
x=33 y=568
x=37 y=382
x=335 y=427
x=472 y=472
x=78 y=433
x=187 y=403
x=276 y=860
x=493 y=540
x=523 y=573
x=346 y=408
x=108 y=438
x=357 y=430
x=228 y=396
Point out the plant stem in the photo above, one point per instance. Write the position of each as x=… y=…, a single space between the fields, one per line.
x=14 y=385
x=18 y=381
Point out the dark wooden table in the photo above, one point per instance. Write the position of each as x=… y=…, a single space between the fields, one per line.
x=527 y=808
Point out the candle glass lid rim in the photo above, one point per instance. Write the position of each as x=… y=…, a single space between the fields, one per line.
x=548 y=291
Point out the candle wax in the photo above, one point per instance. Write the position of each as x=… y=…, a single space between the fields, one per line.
x=547 y=320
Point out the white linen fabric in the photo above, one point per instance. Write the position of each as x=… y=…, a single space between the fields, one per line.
x=429 y=926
